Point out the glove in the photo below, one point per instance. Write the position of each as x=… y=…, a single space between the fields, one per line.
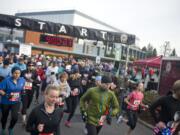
x=109 y=119
x=84 y=116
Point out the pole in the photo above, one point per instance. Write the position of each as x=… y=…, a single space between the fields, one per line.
x=127 y=59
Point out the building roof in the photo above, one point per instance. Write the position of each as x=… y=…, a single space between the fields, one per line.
x=68 y=12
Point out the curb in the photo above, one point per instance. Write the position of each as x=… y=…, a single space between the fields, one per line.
x=145 y=123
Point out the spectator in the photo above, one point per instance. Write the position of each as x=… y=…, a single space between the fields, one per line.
x=168 y=105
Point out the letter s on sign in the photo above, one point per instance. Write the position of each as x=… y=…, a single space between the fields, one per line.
x=18 y=22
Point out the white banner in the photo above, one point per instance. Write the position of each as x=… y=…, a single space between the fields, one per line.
x=98 y=59
x=25 y=49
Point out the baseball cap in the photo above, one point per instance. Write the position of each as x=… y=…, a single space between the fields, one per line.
x=39 y=63
x=106 y=79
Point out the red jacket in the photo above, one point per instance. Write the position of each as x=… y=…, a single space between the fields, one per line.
x=40 y=72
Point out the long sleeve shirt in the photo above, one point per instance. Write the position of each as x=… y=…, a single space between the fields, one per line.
x=64 y=87
x=168 y=106
x=95 y=103
x=51 y=121
x=13 y=91
x=4 y=72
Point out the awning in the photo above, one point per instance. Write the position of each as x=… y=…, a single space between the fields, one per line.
x=149 y=62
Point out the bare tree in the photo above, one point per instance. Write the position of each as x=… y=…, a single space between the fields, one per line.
x=166 y=48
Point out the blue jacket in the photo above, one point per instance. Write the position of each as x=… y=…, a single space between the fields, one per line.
x=13 y=91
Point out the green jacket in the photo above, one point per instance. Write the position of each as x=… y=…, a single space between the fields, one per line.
x=95 y=102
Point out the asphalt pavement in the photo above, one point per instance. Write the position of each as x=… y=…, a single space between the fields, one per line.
x=78 y=125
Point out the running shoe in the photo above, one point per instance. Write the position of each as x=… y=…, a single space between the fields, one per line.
x=36 y=102
x=3 y=132
x=67 y=124
x=85 y=131
x=23 y=123
x=120 y=119
x=10 y=131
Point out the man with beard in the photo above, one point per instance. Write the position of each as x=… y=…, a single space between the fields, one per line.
x=97 y=104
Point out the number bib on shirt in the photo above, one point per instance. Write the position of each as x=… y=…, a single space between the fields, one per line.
x=137 y=102
x=14 y=96
x=101 y=121
x=46 y=134
x=28 y=86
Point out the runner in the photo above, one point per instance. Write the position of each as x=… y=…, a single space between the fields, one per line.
x=45 y=118
x=64 y=88
x=72 y=101
x=94 y=105
x=133 y=101
x=11 y=89
x=30 y=86
x=5 y=70
x=41 y=74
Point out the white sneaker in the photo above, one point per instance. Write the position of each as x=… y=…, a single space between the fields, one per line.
x=85 y=131
x=120 y=119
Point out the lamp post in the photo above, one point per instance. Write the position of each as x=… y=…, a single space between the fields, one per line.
x=127 y=59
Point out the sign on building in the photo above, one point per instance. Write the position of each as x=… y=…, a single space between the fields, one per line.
x=98 y=59
x=25 y=49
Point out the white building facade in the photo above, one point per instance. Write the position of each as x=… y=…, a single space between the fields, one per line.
x=114 y=51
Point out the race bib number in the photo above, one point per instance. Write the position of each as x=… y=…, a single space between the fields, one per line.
x=14 y=96
x=137 y=102
x=102 y=119
x=28 y=86
x=46 y=134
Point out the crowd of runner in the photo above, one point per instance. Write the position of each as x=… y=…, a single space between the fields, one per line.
x=65 y=83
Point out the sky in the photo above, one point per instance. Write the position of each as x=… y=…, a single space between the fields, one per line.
x=152 y=21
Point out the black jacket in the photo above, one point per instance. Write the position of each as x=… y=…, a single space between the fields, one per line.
x=40 y=116
x=168 y=106
x=33 y=78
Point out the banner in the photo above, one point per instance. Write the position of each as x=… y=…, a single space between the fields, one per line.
x=25 y=49
x=57 y=28
x=98 y=59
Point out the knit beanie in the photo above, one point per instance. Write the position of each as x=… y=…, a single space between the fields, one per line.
x=106 y=79
x=14 y=69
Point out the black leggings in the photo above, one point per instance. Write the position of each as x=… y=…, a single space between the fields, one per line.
x=26 y=100
x=132 y=118
x=36 y=88
x=71 y=103
x=14 y=108
x=93 y=130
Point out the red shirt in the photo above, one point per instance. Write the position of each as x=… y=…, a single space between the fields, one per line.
x=136 y=98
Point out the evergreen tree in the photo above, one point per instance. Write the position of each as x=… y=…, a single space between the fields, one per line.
x=174 y=52
x=154 y=52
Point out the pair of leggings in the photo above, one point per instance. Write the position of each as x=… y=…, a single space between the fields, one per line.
x=6 y=108
x=26 y=100
x=71 y=103
x=36 y=88
x=93 y=130
x=132 y=118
